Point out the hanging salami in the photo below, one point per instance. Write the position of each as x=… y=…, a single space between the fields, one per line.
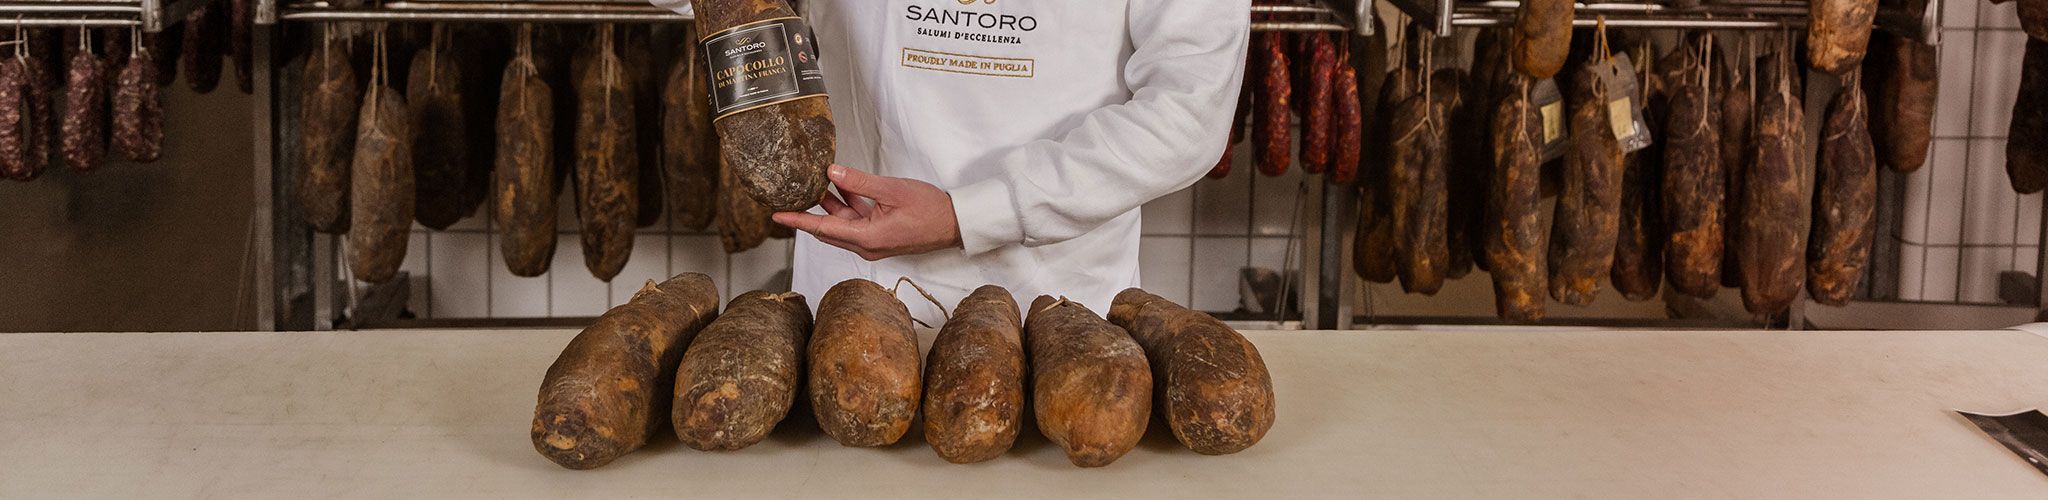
x=380 y=180
x=525 y=180
x=1271 y=121
x=1772 y=246
x=689 y=143
x=607 y=169
x=1695 y=184
x=1901 y=80
x=1587 y=223
x=2026 y=147
x=1515 y=235
x=1845 y=199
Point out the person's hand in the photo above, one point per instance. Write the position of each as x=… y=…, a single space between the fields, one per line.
x=881 y=217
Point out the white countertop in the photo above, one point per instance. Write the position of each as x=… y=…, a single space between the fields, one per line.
x=1362 y=414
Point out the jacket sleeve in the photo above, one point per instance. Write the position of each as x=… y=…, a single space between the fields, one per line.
x=1184 y=72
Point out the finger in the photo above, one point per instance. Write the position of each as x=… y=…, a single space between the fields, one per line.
x=838 y=208
x=823 y=227
x=857 y=183
x=865 y=207
x=863 y=253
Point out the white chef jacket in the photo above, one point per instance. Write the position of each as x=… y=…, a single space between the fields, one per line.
x=1048 y=121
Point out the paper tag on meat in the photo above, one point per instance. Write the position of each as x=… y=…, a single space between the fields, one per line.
x=1549 y=103
x=1625 y=104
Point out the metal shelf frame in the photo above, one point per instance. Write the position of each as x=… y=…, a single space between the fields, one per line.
x=433 y=11
x=150 y=15
x=1918 y=22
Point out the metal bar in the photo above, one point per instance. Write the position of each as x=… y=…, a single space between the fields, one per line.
x=11 y=10
x=1665 y=324
x=269 y=306
x=1716 y=9
x=1337 y=202
x=480 y=17
x=1650 y=22
x=71 y=23
x=1299 y=26
x=1291 y=9
x=1445 y=14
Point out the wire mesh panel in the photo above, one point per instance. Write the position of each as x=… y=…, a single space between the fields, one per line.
x=1195 y=243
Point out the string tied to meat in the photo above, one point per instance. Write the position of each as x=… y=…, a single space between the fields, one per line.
x=1054 y=305
x=927 y=296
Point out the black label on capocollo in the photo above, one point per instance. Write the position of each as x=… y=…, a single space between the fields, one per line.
x=761 y=64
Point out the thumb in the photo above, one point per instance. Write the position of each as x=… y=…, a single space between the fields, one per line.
x=863 y=184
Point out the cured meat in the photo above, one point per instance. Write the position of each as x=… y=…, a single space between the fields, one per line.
x=1460 y=120
x=45 y=71
x=741 y=374
x=1542 y=37
x=689 y=150
x=1091 y=389
x=1738 y=95
x=1772 y=246
x=381 y=186
x=138 y=134
x=742 y=222
x=1845 y=199
x=1901 y=80
x=2034 y=18
x=607 y=167
x=1416 y=182
x=1587 y=225
x=1316 y=117
x=525 y=180
x=1639 y=245
x=2026 y=160
x=1695 y=183
x=1347 y=134
x=865 y=377
x=646 y=94
x=609 y=391
x=442 y=167
x=202 y=49
x=1515 y=235
x=82 y=135
x=1838 y=33
x=16 y=124
x=974 y=380
x=1210 y=383
x=327 y=125
x=1373 y=247
x=1271 y=122
x=778 y=152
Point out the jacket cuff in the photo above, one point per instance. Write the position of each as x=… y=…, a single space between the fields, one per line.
x=988 y=216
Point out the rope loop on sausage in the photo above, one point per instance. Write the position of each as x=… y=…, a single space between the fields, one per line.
x=921 y=291
x=1055 y=305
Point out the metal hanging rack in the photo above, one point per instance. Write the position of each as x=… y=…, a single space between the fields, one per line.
x=1914 y=21
x=1282 y=17
x=1303 y=18
x=431 y=11
x=151 y=15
